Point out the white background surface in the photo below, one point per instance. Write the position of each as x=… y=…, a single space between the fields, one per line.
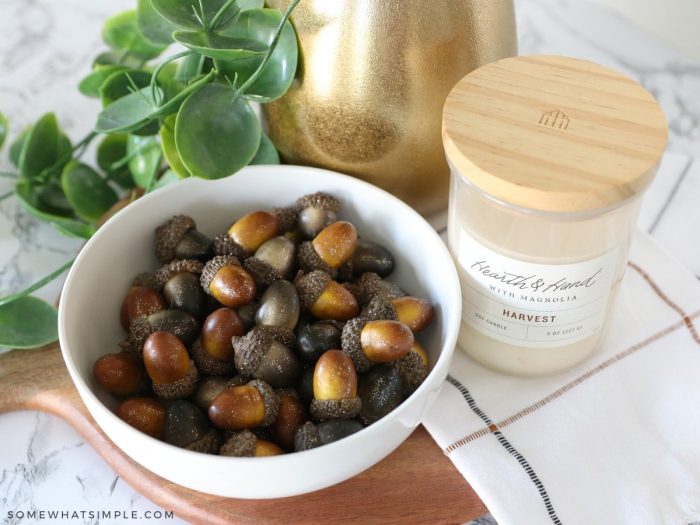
x=46 y=46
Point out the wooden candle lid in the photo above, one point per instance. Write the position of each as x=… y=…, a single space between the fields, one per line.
x=553 y=133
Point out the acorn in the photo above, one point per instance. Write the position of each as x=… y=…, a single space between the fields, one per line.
x=183 y=292
x=381 y=392
x=171 y=269
x=311 y=435
x=140 y=300
x=121 y=374
x=246 y=444
x=207 y=390
x=146 y=414
x=415 y=313
x=224 y=278
x=279 y=306
x=246 y=406
x=326 y=298
x=316 y=211
x=249 y=232
x=208 y=364
x=330 y=249
x=247 y=314
x=169 y=366
x=186 y=426
x=371 y=257
x=315 y=339
x=179 y=238
x=335 y=387
x=379 y=308
x=181 y=324
x=413 y=369
x=290 y=416
x=370 y=285
x=213 y=351
x=371 y=342
x=274 y=260
x=306 y=386
x=263 y=354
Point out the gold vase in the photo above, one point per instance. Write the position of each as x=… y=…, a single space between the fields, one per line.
x=373 y=76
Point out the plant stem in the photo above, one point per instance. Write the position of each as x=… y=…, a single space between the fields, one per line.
x=157 y=70
x=154 y=175
x=6 y=195
x=220 y=13
x=8 y=175
x=271 y=49
x=46 y=173
x=36 y=285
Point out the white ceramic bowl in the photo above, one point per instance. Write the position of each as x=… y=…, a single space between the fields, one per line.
x=123 y=247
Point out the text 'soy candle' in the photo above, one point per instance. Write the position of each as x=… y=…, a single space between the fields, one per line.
x=550 y=157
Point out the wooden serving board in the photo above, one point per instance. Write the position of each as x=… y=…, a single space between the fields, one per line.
x=415 y=484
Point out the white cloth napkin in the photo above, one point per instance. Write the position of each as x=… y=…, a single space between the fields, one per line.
x=615 y=440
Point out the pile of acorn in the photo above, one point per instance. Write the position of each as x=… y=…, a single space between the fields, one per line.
x=279 y=335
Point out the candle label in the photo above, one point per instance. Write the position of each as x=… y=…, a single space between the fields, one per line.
x=531 y=304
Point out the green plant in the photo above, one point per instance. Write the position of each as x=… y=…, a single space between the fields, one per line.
x=186 y=115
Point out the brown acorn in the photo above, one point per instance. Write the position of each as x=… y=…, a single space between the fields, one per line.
x=121 y=374
x=413 y=312
x=371 y=342
x=140 y=300
x=146 y=414
x=330 y=249
x=290 y=416
x=325 y=298
x=224 y=278
x=246 y=406
x=169 y=366
x=246 y=444
x=335 y=387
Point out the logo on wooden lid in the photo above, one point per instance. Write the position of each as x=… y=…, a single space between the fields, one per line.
x=555 y=119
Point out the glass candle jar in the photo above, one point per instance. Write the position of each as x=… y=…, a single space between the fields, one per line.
x=550 y=157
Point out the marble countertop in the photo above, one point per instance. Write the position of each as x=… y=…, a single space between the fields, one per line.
x=44 y=463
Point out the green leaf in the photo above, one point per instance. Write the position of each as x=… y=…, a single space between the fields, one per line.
x=145 y=159
x=88 y=193
x=167 y=178
x=52 y=199
x=4 y=126
x=28 y=322
x=111 y=150
x=267 y=153
x=188 y=69
x=41 y=147
x=90 y=85
x=117 y=58
x=167 y=141
x=76 y=230
x=260 y=25
x=218 y=46
x=118 y=84
x=28 y=196
x=154 y=27
x=121 y=31
x=182 y=12
x=216 y=132
x=129 y=113
x=17 y=145
x=244 y=5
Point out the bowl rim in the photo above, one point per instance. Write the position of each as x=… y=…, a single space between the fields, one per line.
x=451 y=318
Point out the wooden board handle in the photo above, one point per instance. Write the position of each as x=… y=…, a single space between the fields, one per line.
x=415 y=484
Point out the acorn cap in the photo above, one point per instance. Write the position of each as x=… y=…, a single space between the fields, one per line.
x=270 y=400
x=379 y=308
x=169 y=235
x=351 y=345
x=146 y=279
x=209 y=444
x=310 y=286
x=170 y=270
x=237 y=380
x=208 y=364
x=213 y=266
x=225 y=245
x=370 y=284
x=309 y=260
x=323 y=409
x=413 y=372
x=319 y=199
x=180 y=389
x=239 y=444
x=250 y=348
x=141 y=328
x=306 y=437
x=262 y=273
x=286 y=218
